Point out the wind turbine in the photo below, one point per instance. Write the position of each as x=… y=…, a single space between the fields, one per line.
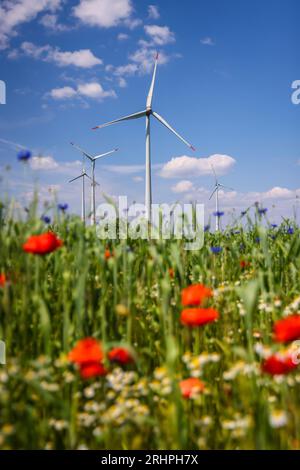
x=217 y=186
x=93 y=160
x=148 y=112
x=83 y=175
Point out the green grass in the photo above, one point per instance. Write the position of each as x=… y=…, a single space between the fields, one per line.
x=50 y=302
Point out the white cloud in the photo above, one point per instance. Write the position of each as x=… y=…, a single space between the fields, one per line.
x=92 y=90
x=153 y=12
x=138 y=179
x=122 y=82
x=144 y=59
x=160 y=35
x=50 y=21
x=63 y=93
x=83 y=58
x=191 y=166
x=95 y=90
x=13 y=13
x=207 y=41
x=124 y=169
x=183 y=186
x=278 y=192
x=103 y=13
x=123 y=70
x=43 y=163
x=133 y=23
x=122 y=36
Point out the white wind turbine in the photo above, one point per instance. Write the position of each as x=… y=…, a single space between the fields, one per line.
x=148 y=112
x=93 y=185
x=217 y=186
x=83 y=175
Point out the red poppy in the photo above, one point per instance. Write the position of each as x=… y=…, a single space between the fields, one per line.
x=107 y=254
x=195 y=295
x=278 y=364
x=120 y=355
x=244 y=264
x=3 y=280
x=171 y=273
x=198 y=316
x=86 y=351
x=88 y=355
x=42 y=244
x=287 y=329
x=92 y=369
x=190 y=387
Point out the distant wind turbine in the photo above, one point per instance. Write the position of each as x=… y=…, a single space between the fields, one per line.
x=217 y=186
x=83 y=175
x=93 y=161
x=147 y=113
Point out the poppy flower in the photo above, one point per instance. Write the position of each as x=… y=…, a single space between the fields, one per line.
x=244 y=264
x=42 y=244
x=86 y=351
x=107 y=254
x=88 y=355
x=120 y=355
x=3 y=280
x=92 y=369
x=198 y=316
x=195 y=295
x=278 y=364
x=171 y=273
x=190 y=387
x=287 y=329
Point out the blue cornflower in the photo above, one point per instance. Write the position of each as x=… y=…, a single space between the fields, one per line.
x=262 y=211
x=46 y=219
x=24 y=155
x=216 y=249
x=218 y=214
x=274 y=225
x=63 y=207
x=290 y=231
x=206 y=228
x=257 y=239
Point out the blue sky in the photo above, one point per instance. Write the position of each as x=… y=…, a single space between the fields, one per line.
x=224 y=82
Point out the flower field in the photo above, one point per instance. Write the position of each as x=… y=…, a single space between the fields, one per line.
x=143 y=345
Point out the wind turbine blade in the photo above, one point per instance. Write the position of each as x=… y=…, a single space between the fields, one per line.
x=213 y=192
x=162 y=121
x=82 y=151
x=226 y=187
x=213 y=169
x=77 y=178
x=125 y=118
x=85 y=174
x=151 y=90
x=105 y=154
